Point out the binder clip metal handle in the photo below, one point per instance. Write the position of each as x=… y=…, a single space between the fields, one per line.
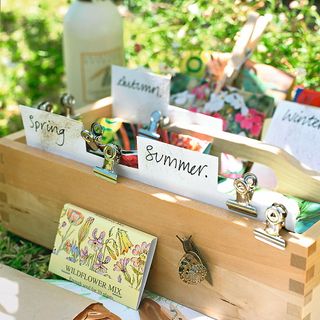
x=156 y=121
x=112 y=155
x=90 y=140
x=93 y=139
x=67 y=102
x=45 y=106
x=97 y=132
x=275 y=221
x=97 y=129
x=245 y=188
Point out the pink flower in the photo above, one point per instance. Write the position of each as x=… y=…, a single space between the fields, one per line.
x=255 y=130
x=252 y=122
x=193 y=109
x=138 y=263
x=75 y=218
x=141 y=249
x=201 y=92
x=238 y=117
x=121 y=265
x=246 y=123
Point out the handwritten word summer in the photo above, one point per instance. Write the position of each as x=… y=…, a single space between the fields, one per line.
x=143 y=87
x=173 y=162
x=302 y=119
x=48 y=127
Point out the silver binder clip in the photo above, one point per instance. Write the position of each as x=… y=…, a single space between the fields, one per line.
x=90 y=140
x=156 y=121
x=245 y=187
x=275 y=220
x=97 y=131
x=67 y=102
x=93 y=139
x=45 y=106
x=112 y=155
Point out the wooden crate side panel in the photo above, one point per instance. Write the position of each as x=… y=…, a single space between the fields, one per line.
x=225 y=239
x=27 y=225
x=231 y=297
x=311 y=310
x=18 y=136
x=33 y=217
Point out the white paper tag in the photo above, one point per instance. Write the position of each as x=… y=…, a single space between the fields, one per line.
x=136 y=94
x=296 y=129
x=56 y=134
x=188 y=173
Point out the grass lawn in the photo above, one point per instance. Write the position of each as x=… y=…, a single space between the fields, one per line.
x=24 y=255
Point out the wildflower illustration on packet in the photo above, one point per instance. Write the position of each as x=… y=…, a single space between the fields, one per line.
x=110 y=254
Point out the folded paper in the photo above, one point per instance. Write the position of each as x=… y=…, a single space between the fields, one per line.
x=56 y=134
x=23 y=297
x=175 y=169
x=136 y=94
x=292 y=128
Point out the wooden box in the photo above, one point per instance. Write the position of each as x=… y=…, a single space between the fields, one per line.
x=251 y=280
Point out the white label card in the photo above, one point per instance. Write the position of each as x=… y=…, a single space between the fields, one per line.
x=185 y=172
x=136 y=94
x=56 y=134
x=296 y=129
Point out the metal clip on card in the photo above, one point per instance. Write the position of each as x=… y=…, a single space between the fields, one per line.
x=67 y=102
x=245 y=187
x=45 y=106
x=89 y=138
x=93 y=139
x=97 y=132
x=275 y=219
x=156 y=121
x=112 y=155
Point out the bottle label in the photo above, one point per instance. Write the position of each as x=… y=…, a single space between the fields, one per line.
x=96 y=73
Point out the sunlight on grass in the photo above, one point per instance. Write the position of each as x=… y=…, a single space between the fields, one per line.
x=24 y=255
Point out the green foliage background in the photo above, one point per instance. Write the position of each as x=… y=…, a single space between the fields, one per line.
x=31 y=30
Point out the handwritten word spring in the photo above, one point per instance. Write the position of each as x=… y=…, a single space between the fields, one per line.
x=48 y=127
